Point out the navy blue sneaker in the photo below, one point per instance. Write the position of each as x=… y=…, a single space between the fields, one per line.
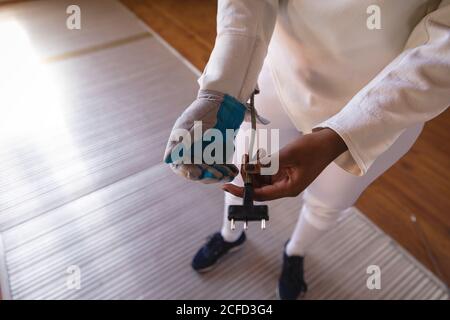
x=216 y=247
x=291 y=283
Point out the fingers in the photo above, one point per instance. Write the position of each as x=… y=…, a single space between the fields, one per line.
x=253 y=168
x=206 y=173
x=270 y=192
x=209 y=174
x=167 y=158
x=233 y=171
x=228 y=171
x=217 y=173
x=234 y=190
x=284 y=156
x=261 y=153
x=265 y=193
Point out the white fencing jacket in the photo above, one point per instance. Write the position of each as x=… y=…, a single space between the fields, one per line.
x=368 y=69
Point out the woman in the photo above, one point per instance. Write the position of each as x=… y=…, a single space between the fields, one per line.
x=356 y=79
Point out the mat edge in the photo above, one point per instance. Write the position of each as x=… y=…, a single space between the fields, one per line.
x=405 y=253
x=174 y=51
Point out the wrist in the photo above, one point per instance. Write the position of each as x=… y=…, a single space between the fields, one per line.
x=331 y=144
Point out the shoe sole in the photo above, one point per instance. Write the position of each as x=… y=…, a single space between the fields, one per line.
x=300 y=296
x=207 y=269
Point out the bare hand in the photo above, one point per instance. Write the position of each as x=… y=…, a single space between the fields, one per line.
x=300 y=163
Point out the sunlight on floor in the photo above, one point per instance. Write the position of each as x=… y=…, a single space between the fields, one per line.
x=29 y=98
x=32 y=116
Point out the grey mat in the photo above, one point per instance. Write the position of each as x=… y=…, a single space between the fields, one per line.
x=91 y=192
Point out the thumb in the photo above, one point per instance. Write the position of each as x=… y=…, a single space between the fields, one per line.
x=233 y=189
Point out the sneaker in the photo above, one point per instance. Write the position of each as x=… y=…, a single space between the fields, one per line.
x=291 y=283
x=216 y=247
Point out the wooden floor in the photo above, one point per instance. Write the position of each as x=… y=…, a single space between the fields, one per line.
x=418 y=185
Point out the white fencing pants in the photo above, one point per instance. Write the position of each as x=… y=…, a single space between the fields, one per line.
x=332 y=192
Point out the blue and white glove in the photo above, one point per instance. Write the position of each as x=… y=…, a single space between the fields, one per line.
x=215 y=110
